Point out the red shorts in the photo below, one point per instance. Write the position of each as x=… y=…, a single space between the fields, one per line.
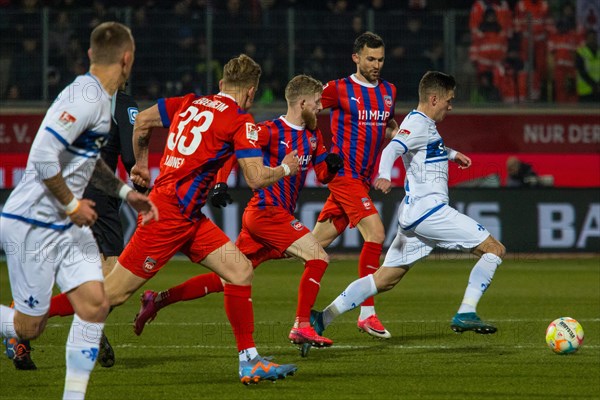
x=152 y=245
x=266 y=234
x=348 y=203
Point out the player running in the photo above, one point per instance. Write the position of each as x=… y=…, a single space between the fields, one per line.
x=362 y=116
x=425 y=220
x=269 y=228
x=204 y=132
x=107 y=229
x=45 y=225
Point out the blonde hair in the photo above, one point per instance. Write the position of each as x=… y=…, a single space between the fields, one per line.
x=241 y=71
x=108 y=41
x=301 y=85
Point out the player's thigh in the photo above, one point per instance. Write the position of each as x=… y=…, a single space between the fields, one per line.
x=352 y=195
x=230 y=264
x=371 y=228
x=153 y=245
x=452 y=230
x=326 y=232
x=406 y=249
x=81 y=261
x=277 y=229
x=213 y=249
x=121 y=283
x=307 y=248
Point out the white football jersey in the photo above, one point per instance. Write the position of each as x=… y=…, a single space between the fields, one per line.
x=68 y=141
x=425 y=160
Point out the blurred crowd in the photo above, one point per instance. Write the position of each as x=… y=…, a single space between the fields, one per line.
x=515 y=51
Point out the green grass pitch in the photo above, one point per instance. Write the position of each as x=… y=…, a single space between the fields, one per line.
x=188 y=352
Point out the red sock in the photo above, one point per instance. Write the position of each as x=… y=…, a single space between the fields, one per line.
x=238 y=306
x=60 y=305
x=193 y=288
x=368 y=263
x=309 y=288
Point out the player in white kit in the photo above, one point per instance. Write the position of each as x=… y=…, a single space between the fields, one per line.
x=44 y=225
x=425 y=220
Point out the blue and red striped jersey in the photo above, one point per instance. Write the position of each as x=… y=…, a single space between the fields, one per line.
x=203 y=133
x=277 y=138
x=359 y=115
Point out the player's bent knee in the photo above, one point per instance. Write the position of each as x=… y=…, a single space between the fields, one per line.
x=95 y=310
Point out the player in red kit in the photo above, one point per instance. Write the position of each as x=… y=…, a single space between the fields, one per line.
x=269 y=228
x=362 y=116
x=204 y=132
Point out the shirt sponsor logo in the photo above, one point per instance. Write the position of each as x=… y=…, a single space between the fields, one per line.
x=367 y=203
x=149 y=264
x=66 y=120
x=297 y=225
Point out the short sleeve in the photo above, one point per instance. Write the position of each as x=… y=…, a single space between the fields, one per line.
x=248 y=138
x=169 y=106
x=329 y=99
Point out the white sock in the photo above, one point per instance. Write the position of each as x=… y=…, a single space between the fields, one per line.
x=366 y=312
x=357 y=292
x=81 y=354
x=248 y=354
x=479 y=280
x=7 y=322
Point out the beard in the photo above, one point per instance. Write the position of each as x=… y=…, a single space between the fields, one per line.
x=310 y=119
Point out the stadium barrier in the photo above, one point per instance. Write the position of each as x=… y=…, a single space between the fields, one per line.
x=525 y=220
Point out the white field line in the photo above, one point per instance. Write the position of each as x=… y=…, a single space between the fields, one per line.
x=398 y=321
x=335 y=346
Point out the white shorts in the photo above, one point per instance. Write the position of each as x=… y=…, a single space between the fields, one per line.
x=445 y=228
x=36 y=257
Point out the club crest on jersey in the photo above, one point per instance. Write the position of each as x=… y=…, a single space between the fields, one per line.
x=297 y=225
x=387 y=100
x=132 y=112
x=313 y=143
x=404 y=132
x=149 y=264
x=367 y=203
x=66 y=120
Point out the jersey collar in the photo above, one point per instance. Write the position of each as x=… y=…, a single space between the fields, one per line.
x=361 y=83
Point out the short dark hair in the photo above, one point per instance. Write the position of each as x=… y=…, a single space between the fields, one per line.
x=435 y=82
x=369 y=39
x=108 y=41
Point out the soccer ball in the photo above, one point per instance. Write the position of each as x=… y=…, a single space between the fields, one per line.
x=564 y=335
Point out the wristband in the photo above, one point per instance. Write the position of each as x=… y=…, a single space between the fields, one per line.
x=286 y=169
x=123 y=191
x=72 y=207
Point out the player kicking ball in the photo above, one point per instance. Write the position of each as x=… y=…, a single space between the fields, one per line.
x=425 y=220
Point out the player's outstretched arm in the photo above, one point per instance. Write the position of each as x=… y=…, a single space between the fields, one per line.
x=104 y=179
x=258 y=175
x=462 y=160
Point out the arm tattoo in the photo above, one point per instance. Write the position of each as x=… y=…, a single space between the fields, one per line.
x=104 y=179
x=143 y=141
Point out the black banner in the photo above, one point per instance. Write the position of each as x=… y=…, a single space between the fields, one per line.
x=524 y=220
